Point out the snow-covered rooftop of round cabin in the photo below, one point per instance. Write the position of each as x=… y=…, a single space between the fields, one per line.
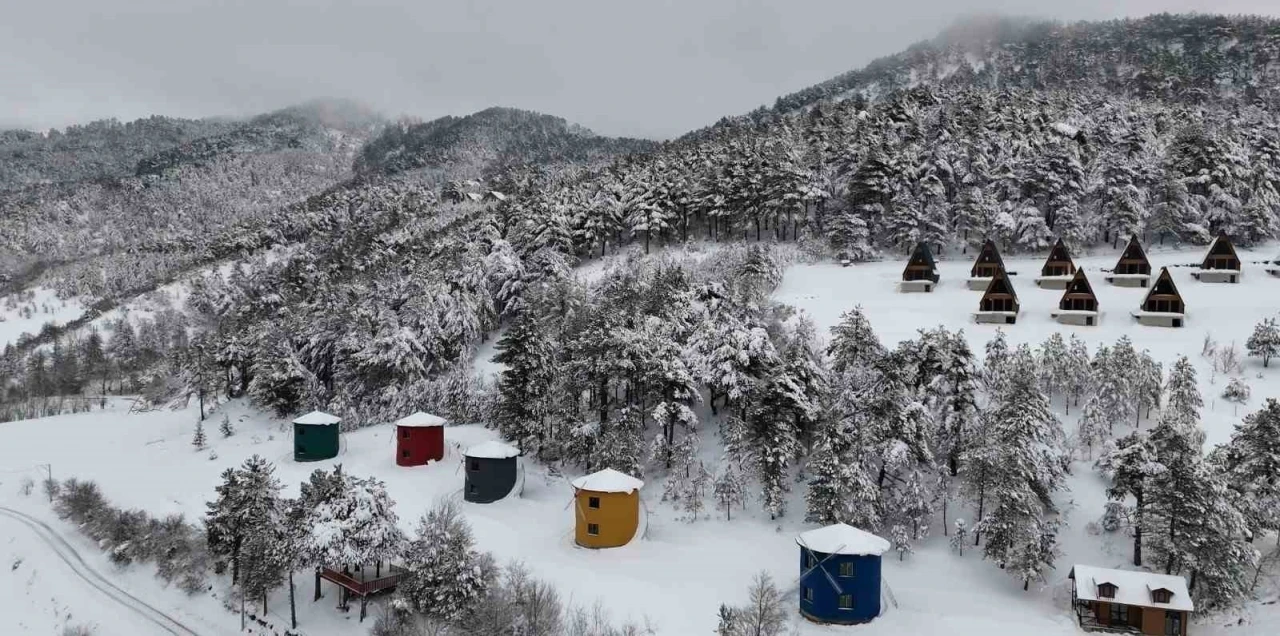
x=843 y=539
x=318 y=418
x=608 y=480
x=420 y=420
x=492 y=450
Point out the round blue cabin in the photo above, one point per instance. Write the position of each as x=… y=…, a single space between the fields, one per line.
x=840 y=574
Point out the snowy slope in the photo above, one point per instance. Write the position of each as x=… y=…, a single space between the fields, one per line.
x=20 y=315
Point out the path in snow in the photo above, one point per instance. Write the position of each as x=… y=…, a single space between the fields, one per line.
x=71 y=557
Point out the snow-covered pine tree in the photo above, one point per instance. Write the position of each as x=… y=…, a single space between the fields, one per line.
x=1023 y=449
x=1182 y=398
x=995 y=363
x=729 y=489
x=353 y=524
x=1053 y=354
x=853 y=342
x=448 y=575
x=960 y=413
x=901 y=538
x=225 y=427
x=1251 y=463
x=198 y=440
x=841 y=487
x=246 y=498
x=1077 y=371
x=1264 y=342
x=959 y=535
x=525 y=383
x=1237 y=392
x=1149 y=384
x=1130 y=461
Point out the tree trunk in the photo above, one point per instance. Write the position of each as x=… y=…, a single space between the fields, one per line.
x=317 y=586
x=1137 y=530
x=293 y=604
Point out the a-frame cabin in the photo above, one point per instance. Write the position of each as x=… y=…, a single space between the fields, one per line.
x=1163 y=306
x=1000 y=303
x=1221 y=264
x=1133 y=269
x=1058 y=269
x=1079 y=305
x=985 y=267
x=921 y=273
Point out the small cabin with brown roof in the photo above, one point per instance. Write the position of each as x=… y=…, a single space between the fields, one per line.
x=1079 y=305
x=1133 y=269
x=1058 y=269
x=1220 y=264
x=985 y=267
x=1124 y=601
x=921 y=273
x=1000 y=303
x=1163 y=306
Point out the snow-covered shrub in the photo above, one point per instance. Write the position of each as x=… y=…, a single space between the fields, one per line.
x=78 y=630
x=26 y=486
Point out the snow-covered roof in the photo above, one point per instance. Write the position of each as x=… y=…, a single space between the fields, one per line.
x=475 y=196
x=1132 y=588
x=842 y=538
x=608 y=480
x=318 y=418
x=497 y=195
x=492 y=450
x=420 y=420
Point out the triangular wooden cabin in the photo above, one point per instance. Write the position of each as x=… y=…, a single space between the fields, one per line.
x=1079 y=305
x=921 y=273
x=1163 y=306
x=985 y=267
x=1221 y=264
x=1000 y=303
x=1058 y=268
x=1133 y=269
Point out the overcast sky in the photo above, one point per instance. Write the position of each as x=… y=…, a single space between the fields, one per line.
x=652 y=68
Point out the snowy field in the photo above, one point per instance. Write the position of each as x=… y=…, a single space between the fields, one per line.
x=679 y=574
x=19 y=315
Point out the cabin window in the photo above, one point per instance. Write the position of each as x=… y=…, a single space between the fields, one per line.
x=301 y=431
x=475 y=465
x=593 y=502
x=1161 y=596
x=404 y=433
x=1119 y=614
x=471 y=488
x=1106 y=590
x=808 y=594
x=846 y=601
x=404 y=454
x=846 y=569
x=593 y=529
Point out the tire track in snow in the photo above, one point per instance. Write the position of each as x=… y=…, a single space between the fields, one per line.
x=72 y=558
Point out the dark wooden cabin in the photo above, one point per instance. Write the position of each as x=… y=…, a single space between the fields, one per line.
x=1059 y=262
x=1221 y=264
x=921 y=273
x=1000 y=302
x=988 y=262
x=1079 y=305
x=921 y=266
x=1133 y=269
x=1163 y=306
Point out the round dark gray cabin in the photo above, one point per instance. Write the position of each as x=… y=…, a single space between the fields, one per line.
x=489 y=478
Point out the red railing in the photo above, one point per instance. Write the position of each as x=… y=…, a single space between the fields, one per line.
x=365 y=588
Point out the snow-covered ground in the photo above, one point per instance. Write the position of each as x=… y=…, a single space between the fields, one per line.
x=19 y=315
x=679 y=574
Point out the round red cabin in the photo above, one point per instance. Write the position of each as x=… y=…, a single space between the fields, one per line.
x=419 y=439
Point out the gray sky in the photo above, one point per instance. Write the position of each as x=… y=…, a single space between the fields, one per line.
x=653 y=68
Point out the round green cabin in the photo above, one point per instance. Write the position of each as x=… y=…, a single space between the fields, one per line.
x=316 y=437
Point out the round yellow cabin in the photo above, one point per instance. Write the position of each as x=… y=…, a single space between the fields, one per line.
x=607 y=509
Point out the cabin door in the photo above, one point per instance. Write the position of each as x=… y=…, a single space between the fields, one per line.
x=1173 y=623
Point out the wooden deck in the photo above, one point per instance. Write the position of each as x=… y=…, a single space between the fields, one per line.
x=358 y=586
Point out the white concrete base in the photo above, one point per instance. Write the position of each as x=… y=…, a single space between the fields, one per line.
x=1274 y=270
x=996 y=317
x=913 y=286
x=1129 y=280
x=1076 y=317
x=1053 y=282
x=979 y=284
x=1160 y=319
x=1217 y=275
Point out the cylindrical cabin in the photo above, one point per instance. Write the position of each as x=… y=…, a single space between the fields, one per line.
x=316 y=437
x=492 y=472
x=607 y=509
x=419 y=439
x=840 y=574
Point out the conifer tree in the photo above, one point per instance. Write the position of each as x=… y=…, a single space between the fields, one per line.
x=198 y=440
x=1131 y=462
x=1251 y=465
x=448 y=575
x=853 y=342
x=729 y=490
x=1265 y=341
